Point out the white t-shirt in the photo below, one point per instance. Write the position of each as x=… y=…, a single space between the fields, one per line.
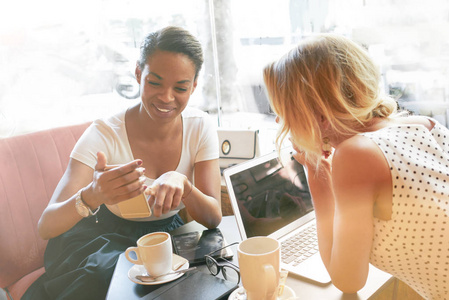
x=200 y=143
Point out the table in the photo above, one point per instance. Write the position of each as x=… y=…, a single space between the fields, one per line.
x=123 y=288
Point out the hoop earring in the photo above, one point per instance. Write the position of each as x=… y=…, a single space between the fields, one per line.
x=326 y=148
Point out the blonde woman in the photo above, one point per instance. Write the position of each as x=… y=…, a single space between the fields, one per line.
x=382 y=196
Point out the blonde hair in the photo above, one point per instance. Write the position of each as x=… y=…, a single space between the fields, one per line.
x=329 y=76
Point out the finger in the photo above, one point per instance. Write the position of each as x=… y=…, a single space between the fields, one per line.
x=130 y=186
x=176 y=200
x=150 y=192
x=296 y=148
x=110 y=167
x=127 y=172
x=299 y=157
x=137 y=162
x=126 y=179
x=159 y=202
x=168 y=201
x=124 y=192
x=101 y=161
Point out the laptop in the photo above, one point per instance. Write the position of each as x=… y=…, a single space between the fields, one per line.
x=270 y=198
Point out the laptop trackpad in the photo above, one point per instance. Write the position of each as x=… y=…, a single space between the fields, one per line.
x=312 y=268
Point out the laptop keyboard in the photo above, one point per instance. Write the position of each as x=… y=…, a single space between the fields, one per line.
x=300 y=246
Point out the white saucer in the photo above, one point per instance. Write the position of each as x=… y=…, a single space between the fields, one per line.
x=240 y=294
x=140 y=270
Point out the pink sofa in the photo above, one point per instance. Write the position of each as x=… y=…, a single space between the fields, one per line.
x=30 y=168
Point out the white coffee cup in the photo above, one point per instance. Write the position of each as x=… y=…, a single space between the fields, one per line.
x=154 y=251
x=259 y=262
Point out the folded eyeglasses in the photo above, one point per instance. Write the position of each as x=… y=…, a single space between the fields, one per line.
x=230 y=271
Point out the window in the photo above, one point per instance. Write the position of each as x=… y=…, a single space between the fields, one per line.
x=68 y=62
x=407 y=39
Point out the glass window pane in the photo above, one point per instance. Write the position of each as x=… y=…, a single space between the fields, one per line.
x=408 y=40
x=69 y=62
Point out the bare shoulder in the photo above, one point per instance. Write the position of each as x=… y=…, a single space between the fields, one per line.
x=358 y=152
x=414 y=120
x=358 y=161
x=357 y=148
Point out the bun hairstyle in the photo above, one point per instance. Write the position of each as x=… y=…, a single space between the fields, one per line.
x=327 y=75
x=172 y=39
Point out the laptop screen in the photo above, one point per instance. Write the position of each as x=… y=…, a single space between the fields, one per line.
x=270 y=195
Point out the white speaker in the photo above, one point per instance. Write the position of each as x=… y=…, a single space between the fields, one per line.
x=237 y=145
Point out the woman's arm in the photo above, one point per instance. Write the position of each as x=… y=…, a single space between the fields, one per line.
x=97 y=186
x=347 y=259
x=204 y=202
x=359 y=170
x=60 y=214
x=321 y=188
x=202 y=199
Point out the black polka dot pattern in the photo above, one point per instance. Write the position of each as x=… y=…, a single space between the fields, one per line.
x=414 y=245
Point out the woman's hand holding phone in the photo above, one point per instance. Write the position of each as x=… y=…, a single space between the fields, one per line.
x=112 y=184
x=166 y=192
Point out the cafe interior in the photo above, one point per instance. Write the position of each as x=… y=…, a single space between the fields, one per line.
x=65 y=64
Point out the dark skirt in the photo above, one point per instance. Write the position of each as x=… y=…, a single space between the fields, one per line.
x=80 y=262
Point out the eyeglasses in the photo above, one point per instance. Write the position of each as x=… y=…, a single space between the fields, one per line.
x=230 y=271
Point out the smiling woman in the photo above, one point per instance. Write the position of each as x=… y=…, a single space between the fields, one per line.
x=158 y=147
x=160 y=86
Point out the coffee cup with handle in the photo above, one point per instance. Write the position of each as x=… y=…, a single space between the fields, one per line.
x=154 y=251
x=259 y=261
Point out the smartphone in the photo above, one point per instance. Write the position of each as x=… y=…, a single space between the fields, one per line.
x=193 y=246
x=133 y=208
x=136 y=207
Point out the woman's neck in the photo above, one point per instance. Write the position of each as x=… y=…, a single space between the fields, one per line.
x=145 y=127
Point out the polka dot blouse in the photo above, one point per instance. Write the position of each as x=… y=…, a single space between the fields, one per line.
x=414 y=245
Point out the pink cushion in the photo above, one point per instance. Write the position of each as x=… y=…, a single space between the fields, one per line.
x=30 y=168
x=17 y=289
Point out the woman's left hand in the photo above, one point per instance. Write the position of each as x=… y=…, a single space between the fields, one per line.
x=166 y=192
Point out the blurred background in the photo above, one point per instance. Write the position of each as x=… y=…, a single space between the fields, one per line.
x=65 y=62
